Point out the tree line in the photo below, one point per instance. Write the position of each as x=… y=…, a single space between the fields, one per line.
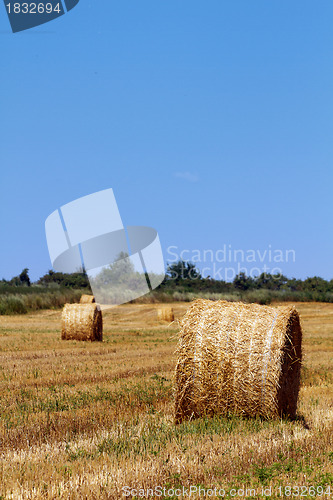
x=184 y=276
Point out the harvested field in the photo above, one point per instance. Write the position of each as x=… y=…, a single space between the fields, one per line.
x=84 y=420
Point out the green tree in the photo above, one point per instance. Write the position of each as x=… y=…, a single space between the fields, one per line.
x=74 y=280
x=182 y=270
x=242 y=282
x=120 y=272
x=24 y=277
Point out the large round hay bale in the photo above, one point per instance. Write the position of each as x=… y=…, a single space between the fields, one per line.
x=82 y=322
x=87 y=299
x=166 y=314
x=235 y=358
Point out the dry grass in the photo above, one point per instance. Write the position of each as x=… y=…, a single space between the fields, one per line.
x=83 y=420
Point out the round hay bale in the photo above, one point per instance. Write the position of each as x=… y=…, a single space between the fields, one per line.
x=87 y=299
x=166 y=314
x=240 y=359
x=82 y=322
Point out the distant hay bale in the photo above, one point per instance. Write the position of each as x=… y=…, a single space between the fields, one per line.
x=166 y=314
x=87 y=299
x=82 y=322
x=240 y=359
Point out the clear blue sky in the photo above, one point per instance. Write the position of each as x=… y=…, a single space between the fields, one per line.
x=212 y=121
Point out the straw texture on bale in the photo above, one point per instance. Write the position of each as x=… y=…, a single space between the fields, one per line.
x=166 y=314
x=82 y=322
x=87 y=299
x=240 y=359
